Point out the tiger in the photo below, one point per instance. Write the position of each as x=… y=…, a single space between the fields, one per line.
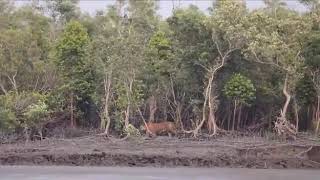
x=159 y=128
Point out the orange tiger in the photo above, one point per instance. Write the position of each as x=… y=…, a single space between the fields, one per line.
x=158 y=128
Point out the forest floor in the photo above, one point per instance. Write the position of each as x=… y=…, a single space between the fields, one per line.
x=244 y=152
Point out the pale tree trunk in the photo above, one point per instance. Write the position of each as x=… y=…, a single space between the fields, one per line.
x=208 y=90
x=296 y=113
x=178 y=120
x=26 y=133
x=318 y=115
x=105 y=122
x=206 y=97
x=72 y=121
x=308 y=116
x=211 y=118
x=144 y=122
x=282 y=125
x=177 y=108
x=229 y=116
x=13 y=82
x=3 y=89
x=239 y=116
x=234 y=114
x=316 y=82
x=288 y=98
x=208 y=101
x=152 y=108
x=129 y=94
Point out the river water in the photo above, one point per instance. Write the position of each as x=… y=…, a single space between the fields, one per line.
x=126 y=173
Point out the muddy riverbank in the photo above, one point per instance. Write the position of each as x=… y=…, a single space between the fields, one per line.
x=164 y=152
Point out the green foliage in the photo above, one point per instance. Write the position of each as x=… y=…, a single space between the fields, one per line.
x=49 y=55
x=312 y=51
x=62 y=10
x=159 y=41
x=24 y=109
x=305 y=90
x=131 y=131
x=159 y=58
x=72 y=46
x=73 y=63
x=192 y=45
x=240 y=88
x=7 y=119
x=36 y=114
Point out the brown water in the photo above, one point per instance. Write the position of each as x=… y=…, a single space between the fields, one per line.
x=114 y=173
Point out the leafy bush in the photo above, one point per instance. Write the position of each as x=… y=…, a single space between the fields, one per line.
x=132 y=131
x=22 y=110
x=240 y=88
x=7 y=119
x=36 y=113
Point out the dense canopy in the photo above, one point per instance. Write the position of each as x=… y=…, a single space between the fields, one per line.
x=232 y=69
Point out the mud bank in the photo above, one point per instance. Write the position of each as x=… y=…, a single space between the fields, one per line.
x=93 y=151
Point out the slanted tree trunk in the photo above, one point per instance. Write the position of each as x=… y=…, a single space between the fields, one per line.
x=212 y=71
x=206 y=97
x=208 y=102
x=282 y=125
x=3 y=89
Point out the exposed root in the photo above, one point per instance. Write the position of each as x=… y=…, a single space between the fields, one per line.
x=303 y=152
x=285 y=129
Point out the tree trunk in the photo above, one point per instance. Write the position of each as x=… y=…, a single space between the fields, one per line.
x=234 y=114
x=282 y=125
x=296 y=113
x=206 y=96
x=288 y=98
x=165 y=113
x=26 y=133
x=244 y=123
x=270 y=118
x=178 y=108
x=127 y=112
x=239 y=117
x=152 y=108
x=105 y=122
x=72 y=122
x=3 y=89
x=126 y=118
x=229 y=116
x=318 y=115
x=211 y=118
x=212 y=72
x=40 y=134
x=178 y=120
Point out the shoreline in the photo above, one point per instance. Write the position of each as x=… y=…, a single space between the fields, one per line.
x=164 y=152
